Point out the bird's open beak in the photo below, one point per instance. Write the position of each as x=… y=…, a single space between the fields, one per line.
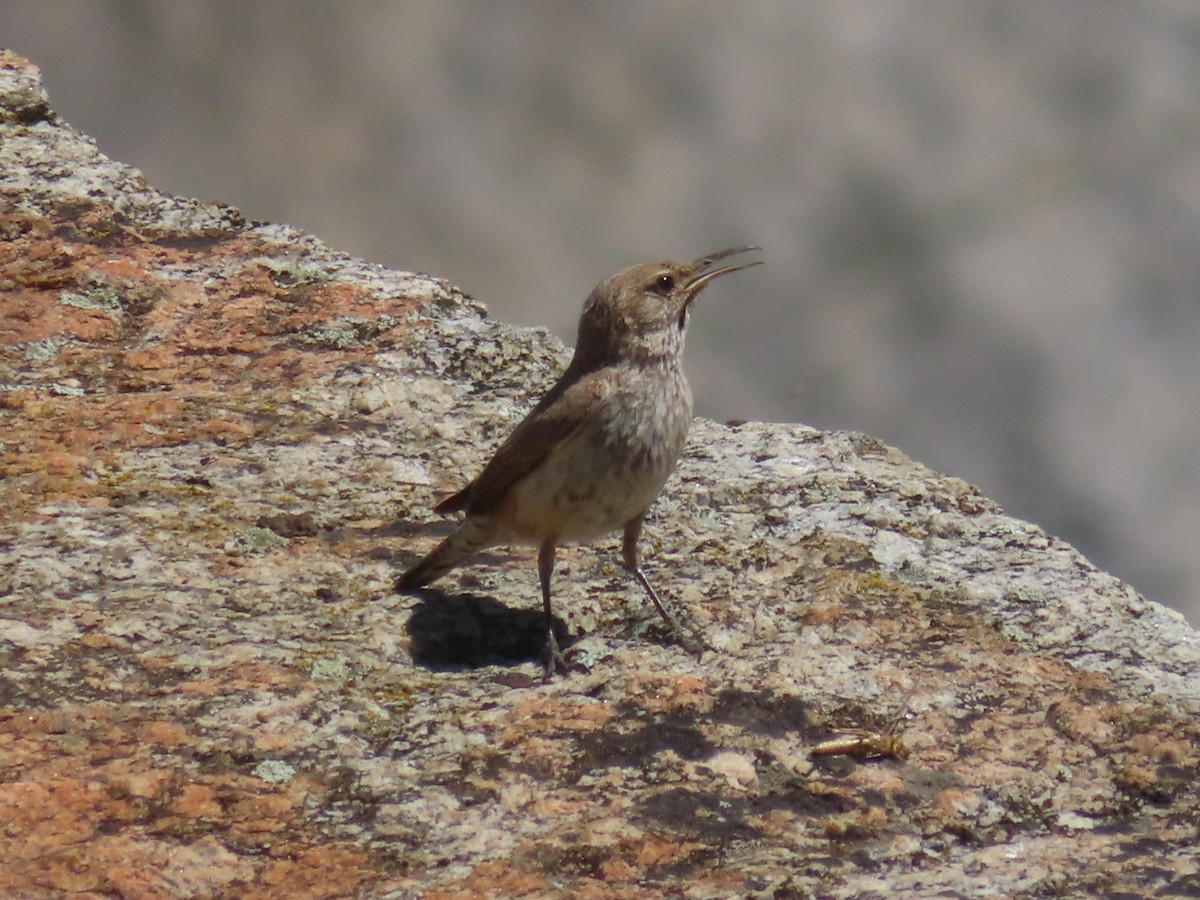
x=721 y=263
x=706 y=268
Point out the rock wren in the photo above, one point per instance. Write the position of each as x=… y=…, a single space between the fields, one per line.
x=596 y=450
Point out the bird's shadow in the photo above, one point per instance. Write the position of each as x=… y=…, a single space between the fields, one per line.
x=469 y=631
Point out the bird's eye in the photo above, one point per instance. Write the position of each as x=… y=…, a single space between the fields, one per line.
x=664 y=283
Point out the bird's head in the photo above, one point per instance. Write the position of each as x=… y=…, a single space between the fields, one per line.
x=642 y=311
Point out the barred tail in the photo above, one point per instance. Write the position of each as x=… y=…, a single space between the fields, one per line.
x=473 y=535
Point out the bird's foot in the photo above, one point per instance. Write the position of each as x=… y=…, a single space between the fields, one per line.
x=690 y=639
x=554 y=660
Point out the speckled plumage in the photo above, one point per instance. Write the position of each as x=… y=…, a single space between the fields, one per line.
x=596 y=450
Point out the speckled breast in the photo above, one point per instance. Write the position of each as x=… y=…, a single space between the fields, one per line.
x=611 y=471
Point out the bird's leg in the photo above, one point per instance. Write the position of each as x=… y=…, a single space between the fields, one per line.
x=632 y=555
x=554 y=657
x=633 y=561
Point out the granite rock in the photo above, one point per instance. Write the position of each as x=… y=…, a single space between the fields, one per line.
x=220 y=441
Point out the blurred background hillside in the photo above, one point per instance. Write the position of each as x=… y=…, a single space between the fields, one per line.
x=981 y=220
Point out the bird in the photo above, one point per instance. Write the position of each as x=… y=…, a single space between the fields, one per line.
x=593 y=454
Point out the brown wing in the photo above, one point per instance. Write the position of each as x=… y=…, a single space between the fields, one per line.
x=560 y=415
